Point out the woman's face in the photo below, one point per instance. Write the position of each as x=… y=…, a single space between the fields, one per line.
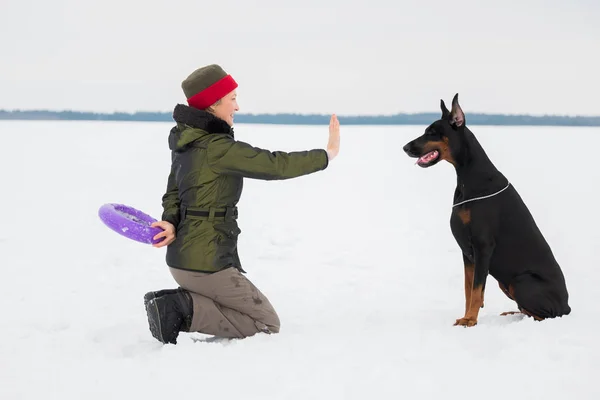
x=227 y=107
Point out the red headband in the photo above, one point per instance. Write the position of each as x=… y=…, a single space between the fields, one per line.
x=214 y=92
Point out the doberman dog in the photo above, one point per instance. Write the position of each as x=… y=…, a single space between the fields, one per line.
x=492 y=225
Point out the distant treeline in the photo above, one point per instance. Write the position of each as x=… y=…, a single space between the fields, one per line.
x=311 y=119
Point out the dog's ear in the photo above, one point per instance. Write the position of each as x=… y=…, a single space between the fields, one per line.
x=445 y=112
x=457 y=116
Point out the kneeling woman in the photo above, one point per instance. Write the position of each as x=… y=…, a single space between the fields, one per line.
x=200 y=214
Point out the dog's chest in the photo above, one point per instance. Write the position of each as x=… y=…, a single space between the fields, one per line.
x=460 y=224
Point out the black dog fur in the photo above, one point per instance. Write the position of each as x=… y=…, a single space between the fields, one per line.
x=497 y=234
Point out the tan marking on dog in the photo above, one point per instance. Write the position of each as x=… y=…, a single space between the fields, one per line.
x=469 y=274
x=482 y=297
x=473 y=299
x=465 y=216
x=476 y=302
x=506 y=291
x=510 y=293
x=443 y=147
x=524 y=311
x=505 y=313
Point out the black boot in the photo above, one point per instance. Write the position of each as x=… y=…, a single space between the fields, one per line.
x=169 y=314
x=151 y=295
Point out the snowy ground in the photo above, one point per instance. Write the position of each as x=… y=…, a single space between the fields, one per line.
x=358 y=261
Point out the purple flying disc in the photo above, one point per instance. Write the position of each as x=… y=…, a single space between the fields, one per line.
x=129 y=222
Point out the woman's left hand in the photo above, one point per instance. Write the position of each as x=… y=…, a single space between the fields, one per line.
x=168 y=233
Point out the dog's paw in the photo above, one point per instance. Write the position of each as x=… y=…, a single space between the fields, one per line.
x=504 y=314
x=466 y=322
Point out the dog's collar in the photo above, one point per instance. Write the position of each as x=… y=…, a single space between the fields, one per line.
x=483 y=197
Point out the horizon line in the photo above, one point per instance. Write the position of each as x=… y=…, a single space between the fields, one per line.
x=289 y=113
x=423 y=118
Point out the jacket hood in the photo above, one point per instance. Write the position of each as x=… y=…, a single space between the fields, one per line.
x=193 y=124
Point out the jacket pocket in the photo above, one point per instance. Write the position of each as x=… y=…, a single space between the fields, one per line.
x=227 y=237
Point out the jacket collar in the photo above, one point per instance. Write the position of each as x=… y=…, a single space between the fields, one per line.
x=200 y=119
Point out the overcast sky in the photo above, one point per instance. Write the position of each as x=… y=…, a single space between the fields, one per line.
x=323 y=56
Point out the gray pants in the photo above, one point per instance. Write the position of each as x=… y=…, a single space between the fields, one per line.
x=227 y=304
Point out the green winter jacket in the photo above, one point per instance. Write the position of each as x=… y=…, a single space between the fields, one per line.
x=205 y=185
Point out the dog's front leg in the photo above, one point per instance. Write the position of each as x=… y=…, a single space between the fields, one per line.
x=475 y=278
x=469 y=273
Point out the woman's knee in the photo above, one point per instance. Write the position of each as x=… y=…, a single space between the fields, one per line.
x=273 y=324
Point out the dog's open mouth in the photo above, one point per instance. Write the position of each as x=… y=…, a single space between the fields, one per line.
x=428 y=158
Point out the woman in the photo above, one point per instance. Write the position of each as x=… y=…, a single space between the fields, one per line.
x=200 y=214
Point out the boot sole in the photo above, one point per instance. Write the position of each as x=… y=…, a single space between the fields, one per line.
x=154 y=320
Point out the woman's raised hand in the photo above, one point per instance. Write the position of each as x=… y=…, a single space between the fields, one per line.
x=333 y=146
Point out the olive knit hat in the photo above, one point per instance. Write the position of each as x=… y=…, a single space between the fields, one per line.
x=206 y=85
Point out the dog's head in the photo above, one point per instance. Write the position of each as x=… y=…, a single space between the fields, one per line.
x=442 y=139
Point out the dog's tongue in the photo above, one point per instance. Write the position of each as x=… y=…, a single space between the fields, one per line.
x=428 y=157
